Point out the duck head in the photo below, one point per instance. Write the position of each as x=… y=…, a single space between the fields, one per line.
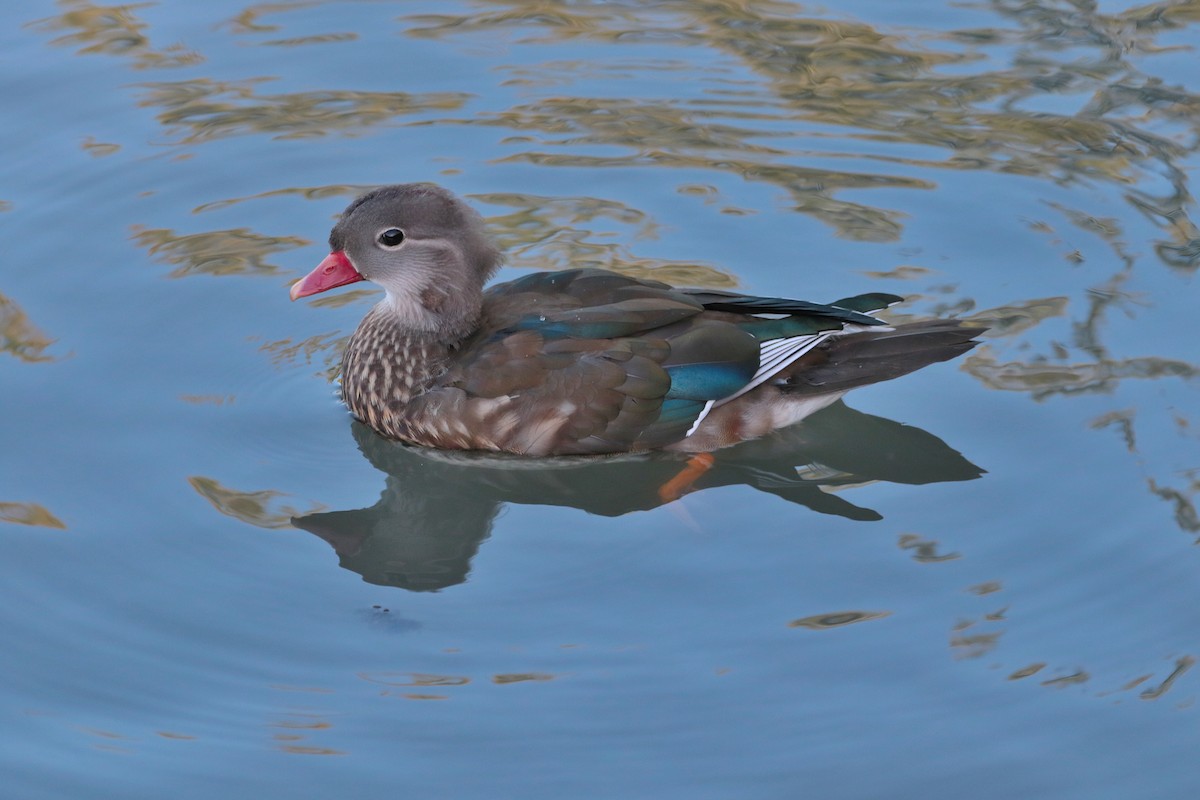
x=426 y=248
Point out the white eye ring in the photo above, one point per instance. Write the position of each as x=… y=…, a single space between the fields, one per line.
x=390 y=238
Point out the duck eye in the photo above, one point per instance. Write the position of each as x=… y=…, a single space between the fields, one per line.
x=391 y=237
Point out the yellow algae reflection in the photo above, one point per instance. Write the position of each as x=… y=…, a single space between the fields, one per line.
x=99 y=149
x=1186 y=515
x=970 y=99
x=567 y=232
x=208 y=399
x=1042 y=379
x=308 y=193
x=263 y=509
x=239 y=251
x=202 y=109
x=29 y=514
x=1071 y=679
x=18 y=336
x=1019 y=317
x=521 y=677
x=810 y=187
x=926 y=550
x=248 y=21
x=413 y=679
x=114 y=31
x=836 y=619
x=297 y=729
x=328 y=346
x=1182 y=665
x=973 y=645
x=1027 y=671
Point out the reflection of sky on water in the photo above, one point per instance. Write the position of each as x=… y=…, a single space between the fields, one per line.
x=167 y=412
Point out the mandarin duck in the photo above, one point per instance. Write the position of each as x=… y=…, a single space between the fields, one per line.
x=584 y=361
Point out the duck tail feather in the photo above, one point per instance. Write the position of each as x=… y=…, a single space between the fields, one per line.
x=841 y=363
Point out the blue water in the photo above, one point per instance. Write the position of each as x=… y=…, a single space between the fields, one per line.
x=979 y=579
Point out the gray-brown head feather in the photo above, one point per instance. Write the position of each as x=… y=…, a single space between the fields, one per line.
x=434 y=279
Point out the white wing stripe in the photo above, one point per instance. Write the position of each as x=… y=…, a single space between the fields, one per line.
x=703 y=413
x=772 y=359
x=776 y=355
x=775 y=345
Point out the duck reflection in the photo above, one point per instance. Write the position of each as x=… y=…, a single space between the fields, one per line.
x=437 y=506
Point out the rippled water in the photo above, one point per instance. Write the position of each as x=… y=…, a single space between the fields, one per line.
x=980 y=579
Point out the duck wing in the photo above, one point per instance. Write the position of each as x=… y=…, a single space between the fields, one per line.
x=590 y=361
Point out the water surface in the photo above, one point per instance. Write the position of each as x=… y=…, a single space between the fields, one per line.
x=978 y=579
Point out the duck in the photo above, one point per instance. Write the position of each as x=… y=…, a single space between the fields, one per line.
x=585 y=362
